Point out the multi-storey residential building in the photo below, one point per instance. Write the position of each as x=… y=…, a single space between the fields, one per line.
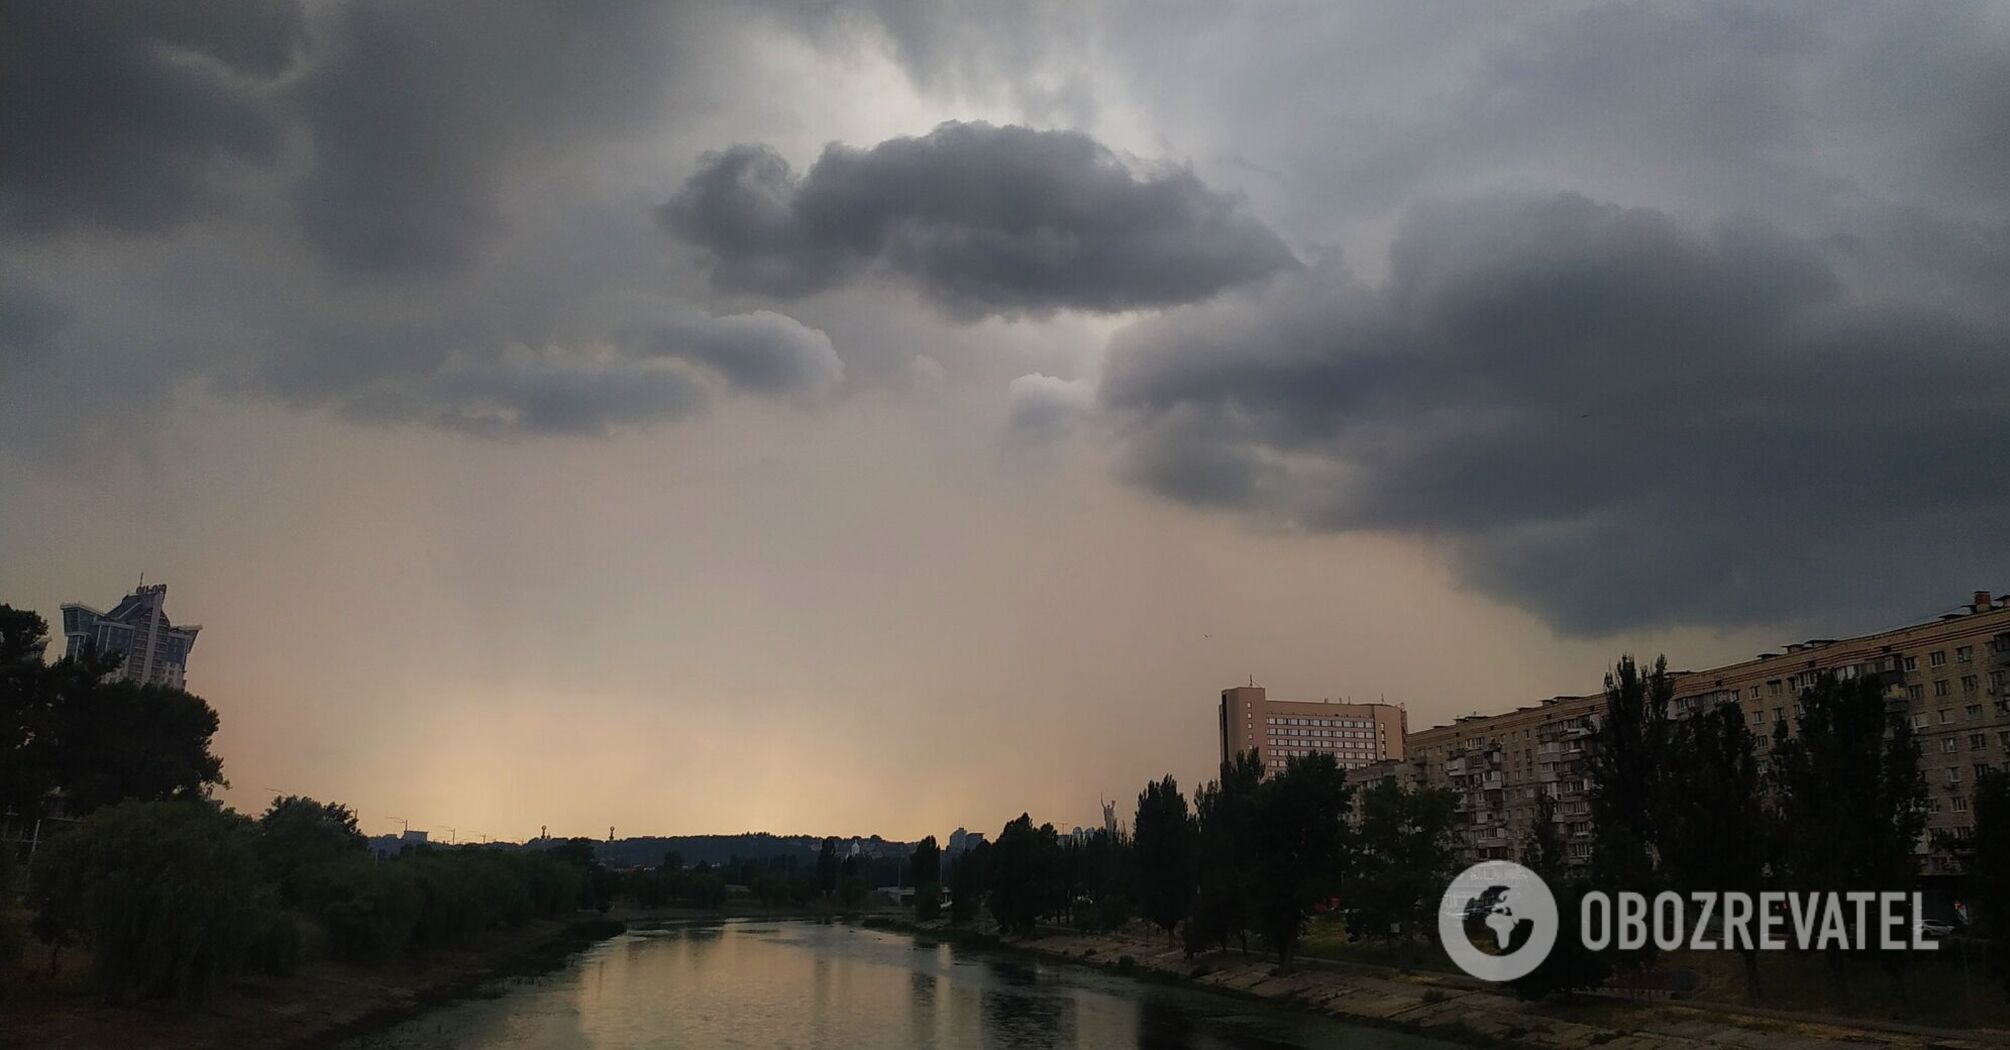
x=1950 y=677
x=156 y=651
x=1497 y=764
x=1354 y=734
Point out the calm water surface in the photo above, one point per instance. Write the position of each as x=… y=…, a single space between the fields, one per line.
x=812 y=985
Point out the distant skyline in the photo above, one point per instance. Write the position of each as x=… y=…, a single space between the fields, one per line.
x=858 y=420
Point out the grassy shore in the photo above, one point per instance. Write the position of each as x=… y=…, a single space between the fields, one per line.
x=322 y=1004
x=325 y=1002
x=1383 y=988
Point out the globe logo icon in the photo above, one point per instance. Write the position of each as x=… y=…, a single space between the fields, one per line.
x=1498 y=920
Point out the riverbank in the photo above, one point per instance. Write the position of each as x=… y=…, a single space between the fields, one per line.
x=322 y=1004
x=1458 y=1009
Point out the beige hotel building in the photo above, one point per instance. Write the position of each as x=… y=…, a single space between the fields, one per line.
x=1354 y=734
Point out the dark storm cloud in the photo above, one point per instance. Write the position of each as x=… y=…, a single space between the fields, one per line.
x=29 y=318
x=983 y=220
x=132 y=117
x=1615 y=421
x=419 y=112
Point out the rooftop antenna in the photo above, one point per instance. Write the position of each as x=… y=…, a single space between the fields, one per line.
x=403 y=824
x=450 y=834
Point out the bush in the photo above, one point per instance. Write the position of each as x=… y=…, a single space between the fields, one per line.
x=275 y=941
x=432 y=898
x=367 y=908
x=164 y=893
x=11 y=934
x=928 y=902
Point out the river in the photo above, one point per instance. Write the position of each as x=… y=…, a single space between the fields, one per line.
x=821 y=985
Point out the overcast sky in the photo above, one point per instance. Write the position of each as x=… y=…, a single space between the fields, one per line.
x=853 y=418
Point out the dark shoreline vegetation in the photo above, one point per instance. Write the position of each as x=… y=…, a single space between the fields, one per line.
x=147 y=891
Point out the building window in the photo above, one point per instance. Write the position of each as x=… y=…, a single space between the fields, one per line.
x=1964 y=654
x=1978 y=741
x=1969 y=683
x=1960 y=803
x=1912 y=663
x=1946 y=716
x=1947 y=745
x=1937 y=658
x=1915 y=692
x=1940 y=687
x=1954 y=774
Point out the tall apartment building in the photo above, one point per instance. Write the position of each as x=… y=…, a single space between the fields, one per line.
x=1354 y=734
x=1950 y=677
x=156 y=650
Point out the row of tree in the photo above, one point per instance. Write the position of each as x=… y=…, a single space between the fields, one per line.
x=1251 y=855
x=1698 y=802
x=1688 y=803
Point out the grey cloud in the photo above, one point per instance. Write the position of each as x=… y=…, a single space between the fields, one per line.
x=1045 y=407
x=761 y=352
x=132 y=118
x=1613 y=420
x=659 y=370
x=419 y=113
x=543 y=395
x=982 y=220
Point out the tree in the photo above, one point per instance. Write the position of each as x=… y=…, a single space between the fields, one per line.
x=163 y=893
x=24 y=774
x=926 y=862
x=926 y=865
x=1851 y=797
x=1570 y=965
x=1102 y=866
x=1717 y=834
x=1163 y=838
x=827 y=868
x=1226 y=812
x=73 y=726
x=1407 y=856
x=11 y=939
x=1303 y=846
x=1990 y=859
x=1626 y=770
x=296 y=832
x=576 y=851
x=1025 y=867
x=969 y=882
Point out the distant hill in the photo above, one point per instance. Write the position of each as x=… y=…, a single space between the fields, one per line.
x=648 y=850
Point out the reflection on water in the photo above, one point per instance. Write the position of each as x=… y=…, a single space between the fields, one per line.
x=817 y=985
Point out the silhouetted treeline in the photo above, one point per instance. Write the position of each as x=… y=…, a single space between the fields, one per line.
x=1253 y=856
x=727 y=850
